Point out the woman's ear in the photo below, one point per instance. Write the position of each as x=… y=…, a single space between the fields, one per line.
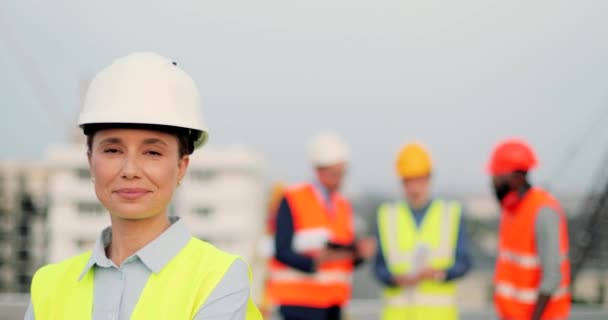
x=182 y=166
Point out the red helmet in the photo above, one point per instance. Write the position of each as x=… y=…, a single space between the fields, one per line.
x=511 y=155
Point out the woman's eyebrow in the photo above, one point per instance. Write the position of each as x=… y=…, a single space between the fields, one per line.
x=110 y=140
x=155 y=141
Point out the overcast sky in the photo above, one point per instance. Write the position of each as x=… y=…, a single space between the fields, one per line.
x=457 y=75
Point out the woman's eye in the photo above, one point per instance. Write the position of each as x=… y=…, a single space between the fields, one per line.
x=153 y=153
x=110 y=150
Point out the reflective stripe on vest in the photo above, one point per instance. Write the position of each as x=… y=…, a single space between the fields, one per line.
x=314 y=227
x=304 y=241
x=416 y=298
x=435 y=240
x=310 y=239
x=524 y=260
x=57 y=292
x=325 y=277
x=529 y=296
x=518 y=270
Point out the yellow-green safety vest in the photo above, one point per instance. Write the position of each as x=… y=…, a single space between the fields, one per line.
x=176 y=292
x=407 y=247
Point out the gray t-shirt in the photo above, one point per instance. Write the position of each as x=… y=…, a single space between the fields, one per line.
x=117 y=289
x=546 y=229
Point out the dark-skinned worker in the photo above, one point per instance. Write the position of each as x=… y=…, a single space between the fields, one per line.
x=423 y=247
x=316 y=250
x=532 y=269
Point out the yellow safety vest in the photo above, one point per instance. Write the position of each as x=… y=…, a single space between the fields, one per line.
x=176 y=292
x=407 y=247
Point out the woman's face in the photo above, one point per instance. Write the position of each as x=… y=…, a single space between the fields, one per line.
x=135 y=171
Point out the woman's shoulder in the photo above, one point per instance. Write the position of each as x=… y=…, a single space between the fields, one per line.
x=71 y=265
x=80 y=259
x=209 y=252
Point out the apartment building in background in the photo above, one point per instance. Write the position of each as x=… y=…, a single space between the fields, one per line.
x=23 y=208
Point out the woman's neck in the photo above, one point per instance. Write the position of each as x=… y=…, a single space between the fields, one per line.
x=129 y=236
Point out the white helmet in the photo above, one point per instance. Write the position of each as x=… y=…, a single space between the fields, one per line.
x=326 y=149
x=145 y=88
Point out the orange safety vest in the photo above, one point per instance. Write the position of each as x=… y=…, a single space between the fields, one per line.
x=518 y=270
x=314 y=225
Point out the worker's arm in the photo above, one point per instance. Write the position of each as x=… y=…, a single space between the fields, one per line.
x=547 y=245
x=228 y=301
x=358 y=259
x=283 y=242
x=463 y=260
x=541 y=304
x=380 y=268
x=29 y=314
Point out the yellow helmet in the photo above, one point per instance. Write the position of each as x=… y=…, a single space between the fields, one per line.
x=413 y=161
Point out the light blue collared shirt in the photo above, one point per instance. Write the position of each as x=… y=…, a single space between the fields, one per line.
x=324 y=193
x=117 y=289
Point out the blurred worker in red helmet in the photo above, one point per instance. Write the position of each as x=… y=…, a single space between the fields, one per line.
x=532 y=268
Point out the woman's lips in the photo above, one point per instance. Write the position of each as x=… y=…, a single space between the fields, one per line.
x=131 y=193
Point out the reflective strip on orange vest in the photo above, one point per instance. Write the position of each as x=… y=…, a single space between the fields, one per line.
x=321 y=276
x=303 y=241
x=529 y=296
x=523 y=260
x=413 y=298
x=310 y=239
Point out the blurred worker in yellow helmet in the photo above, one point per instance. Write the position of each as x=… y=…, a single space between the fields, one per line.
x=422 y=245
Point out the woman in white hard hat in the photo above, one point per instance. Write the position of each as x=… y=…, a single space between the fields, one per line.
x=142 y=118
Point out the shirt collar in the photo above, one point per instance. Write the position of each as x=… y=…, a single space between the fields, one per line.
x=158 y=253
x=322 y=191
x=155 y=255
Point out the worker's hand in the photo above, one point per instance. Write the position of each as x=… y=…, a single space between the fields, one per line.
x=407 y=281
x=327 y=255
x=366 y=247
x=432 y=274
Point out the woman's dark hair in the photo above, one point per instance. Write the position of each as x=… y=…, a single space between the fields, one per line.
x=185 y=137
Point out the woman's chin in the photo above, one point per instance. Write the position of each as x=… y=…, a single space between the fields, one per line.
x=133 y=213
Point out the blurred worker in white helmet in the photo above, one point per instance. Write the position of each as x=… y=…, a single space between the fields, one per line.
x=142 y=118
x=315 y=245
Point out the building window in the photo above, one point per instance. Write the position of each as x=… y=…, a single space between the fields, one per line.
x=202 y=175
x=90 y=209
x=83 y=173
x=204 y=212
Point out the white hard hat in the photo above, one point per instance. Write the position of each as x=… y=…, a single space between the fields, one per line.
x=326 y=149
x=145 y=88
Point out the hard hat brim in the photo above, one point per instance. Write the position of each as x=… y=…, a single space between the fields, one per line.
x=198 y=137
